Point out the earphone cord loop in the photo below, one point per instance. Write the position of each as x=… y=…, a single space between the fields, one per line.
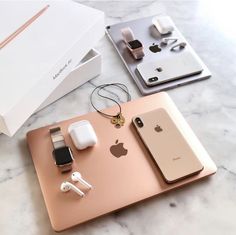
x=98 y=89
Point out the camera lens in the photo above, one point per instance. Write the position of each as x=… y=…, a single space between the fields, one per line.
x=139 y=122
x=153 y=79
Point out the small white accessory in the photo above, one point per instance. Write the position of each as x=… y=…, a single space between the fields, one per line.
x=82 y=134
x=67 y=186
x=77 y=177
x=164 y=24
x=166 y=41
x=179 y=46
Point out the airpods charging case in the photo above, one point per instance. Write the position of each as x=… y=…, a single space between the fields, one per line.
x=164 y=24
x=82 y=134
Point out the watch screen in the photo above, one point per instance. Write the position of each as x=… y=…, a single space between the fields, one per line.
x=135 y=44
x=62 y=156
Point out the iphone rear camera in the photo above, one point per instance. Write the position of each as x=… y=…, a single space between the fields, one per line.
x=139 y=122
x=153 y=79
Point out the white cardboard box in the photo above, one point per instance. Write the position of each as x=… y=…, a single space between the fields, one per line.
x=89 y=67
x=38 y=59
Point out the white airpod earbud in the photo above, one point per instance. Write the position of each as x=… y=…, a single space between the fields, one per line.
x=77 y=177
x=67 y=186
x=165 y=41
x=178 y=46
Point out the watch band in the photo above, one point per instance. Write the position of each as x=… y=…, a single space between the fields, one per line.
x=127 y=34
x=57 y=138
x=65 y=168
x=58 y=141
x=138 y=54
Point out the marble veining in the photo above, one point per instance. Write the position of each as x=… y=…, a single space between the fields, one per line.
x=205 y=207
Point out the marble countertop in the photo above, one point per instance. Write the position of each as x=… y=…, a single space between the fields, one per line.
x=206 y=207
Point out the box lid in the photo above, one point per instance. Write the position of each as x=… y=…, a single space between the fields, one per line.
x=41 y=34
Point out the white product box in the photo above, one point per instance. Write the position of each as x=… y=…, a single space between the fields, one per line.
x=89 y=67
x=41 y=42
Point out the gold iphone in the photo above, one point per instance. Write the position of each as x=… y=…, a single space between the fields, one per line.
x=168 y=147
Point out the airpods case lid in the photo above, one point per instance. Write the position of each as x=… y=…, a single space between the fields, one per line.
x=82 y=134
x=164 y=24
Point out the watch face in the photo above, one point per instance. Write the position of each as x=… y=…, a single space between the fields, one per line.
x=62 y=156
x=135 y=44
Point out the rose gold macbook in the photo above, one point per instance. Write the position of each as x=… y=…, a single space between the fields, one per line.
x=119 y=167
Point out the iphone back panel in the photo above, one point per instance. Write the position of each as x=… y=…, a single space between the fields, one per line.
x=169 y=68
x=169 y=149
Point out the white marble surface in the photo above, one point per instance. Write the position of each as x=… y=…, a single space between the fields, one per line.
x=206 y=207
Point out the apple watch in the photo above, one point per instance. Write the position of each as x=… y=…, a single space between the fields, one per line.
x=62 y=154
x=133 y=45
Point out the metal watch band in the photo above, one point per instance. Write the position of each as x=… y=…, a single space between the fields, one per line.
x=65 y=168
x=57 y=138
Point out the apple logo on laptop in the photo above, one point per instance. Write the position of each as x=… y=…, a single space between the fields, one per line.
x=158 y=128
x=154 y=48
x=118 y=149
